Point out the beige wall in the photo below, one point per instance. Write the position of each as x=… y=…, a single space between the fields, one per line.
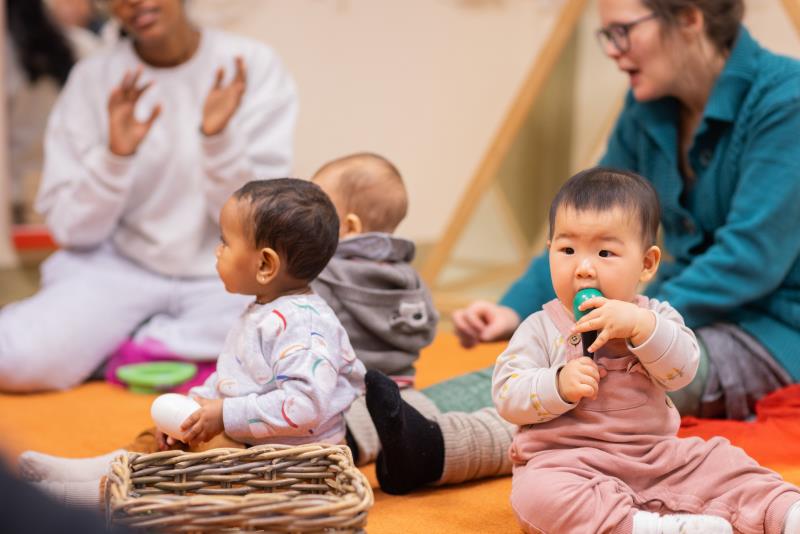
x=424 y=82
x=427 y=82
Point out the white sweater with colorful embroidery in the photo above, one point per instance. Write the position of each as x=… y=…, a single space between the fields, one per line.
x=287 y=374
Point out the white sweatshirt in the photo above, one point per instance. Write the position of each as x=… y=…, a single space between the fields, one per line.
x=160 y=206
x=287 y=374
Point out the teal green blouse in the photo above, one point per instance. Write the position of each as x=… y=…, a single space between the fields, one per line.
x=733 y=237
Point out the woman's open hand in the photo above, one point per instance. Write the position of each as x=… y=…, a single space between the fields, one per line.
x=223 y=100
x=125 y=132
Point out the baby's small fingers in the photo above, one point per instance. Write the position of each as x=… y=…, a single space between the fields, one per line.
x=592 y=372
x=591 y=321
x=586 y=390
x=593 y=324
x=589 y=381
x=191 y=420
x=602 y=339
x=191 y=436
x=594 y=302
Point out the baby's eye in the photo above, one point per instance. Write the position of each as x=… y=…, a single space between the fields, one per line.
x=222 y=241
x=606 y=253
x=568 y=250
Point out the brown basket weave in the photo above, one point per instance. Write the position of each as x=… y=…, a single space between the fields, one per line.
x=272 y=488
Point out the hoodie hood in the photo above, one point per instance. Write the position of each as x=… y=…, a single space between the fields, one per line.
x=380 y=300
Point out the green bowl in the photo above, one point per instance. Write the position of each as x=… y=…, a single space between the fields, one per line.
x=155 y=377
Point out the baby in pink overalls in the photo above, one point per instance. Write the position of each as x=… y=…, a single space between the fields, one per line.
x=597 y=449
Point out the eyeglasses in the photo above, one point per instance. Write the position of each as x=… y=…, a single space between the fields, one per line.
x=618 y=34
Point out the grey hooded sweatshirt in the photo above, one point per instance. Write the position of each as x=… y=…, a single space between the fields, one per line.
x=380 y=300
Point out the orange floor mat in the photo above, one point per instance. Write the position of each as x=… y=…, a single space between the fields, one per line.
x=96 y=418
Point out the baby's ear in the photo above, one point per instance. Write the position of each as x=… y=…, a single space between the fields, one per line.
x=547 y=244
x=268 y=267
x=650 y=263
x=351 y=225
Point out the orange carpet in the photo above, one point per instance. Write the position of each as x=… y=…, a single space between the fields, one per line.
x=96 y=418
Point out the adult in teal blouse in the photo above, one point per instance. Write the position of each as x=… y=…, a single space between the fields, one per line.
x=713 y=120
x=718 y=138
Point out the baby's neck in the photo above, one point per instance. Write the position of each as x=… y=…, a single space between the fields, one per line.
x=300 y=288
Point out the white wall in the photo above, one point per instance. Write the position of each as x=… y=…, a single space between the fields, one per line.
x=424 y=82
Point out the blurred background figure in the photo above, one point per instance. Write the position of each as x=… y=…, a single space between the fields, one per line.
x=85 y=26
x=38 y=59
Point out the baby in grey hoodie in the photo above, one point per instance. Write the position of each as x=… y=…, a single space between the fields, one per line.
x=370 y=284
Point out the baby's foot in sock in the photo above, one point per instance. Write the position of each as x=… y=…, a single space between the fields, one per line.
x=650 y=523
x=82 y=494
x=36 y=466
x=412 y=446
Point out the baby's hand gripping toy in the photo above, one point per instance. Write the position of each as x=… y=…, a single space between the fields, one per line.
x=587 y=338
x=170 y=410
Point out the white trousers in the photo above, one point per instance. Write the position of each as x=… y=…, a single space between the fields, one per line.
x=90 y=302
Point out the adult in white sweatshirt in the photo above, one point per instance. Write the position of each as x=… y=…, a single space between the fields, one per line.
x=146 y=142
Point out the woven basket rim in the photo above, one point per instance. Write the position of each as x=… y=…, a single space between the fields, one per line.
x=179 y=479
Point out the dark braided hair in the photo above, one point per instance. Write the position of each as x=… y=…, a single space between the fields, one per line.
x=40 y=45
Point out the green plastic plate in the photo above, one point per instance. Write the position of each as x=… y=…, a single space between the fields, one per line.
x=156 y=376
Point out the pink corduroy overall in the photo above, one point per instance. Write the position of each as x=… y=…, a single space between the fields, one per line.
x=592 y=468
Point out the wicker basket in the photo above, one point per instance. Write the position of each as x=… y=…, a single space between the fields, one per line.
x=271 y=488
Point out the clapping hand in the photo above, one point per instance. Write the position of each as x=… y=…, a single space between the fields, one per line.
x=125 y=132
x=223 y=100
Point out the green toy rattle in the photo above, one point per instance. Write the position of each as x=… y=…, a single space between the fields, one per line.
x=587 y=338
x=155 y=377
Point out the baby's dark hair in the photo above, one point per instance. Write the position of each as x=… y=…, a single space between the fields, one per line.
x=604 y=188
x=296 y=219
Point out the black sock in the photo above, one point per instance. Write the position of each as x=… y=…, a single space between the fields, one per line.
x=351 y=442
x=412 y=446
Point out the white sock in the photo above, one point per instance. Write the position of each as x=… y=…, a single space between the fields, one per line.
x=83 y=494
x=650 y=523
x=791 y=524
x=35 y=466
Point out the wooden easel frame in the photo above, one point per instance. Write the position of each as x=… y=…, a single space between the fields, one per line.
x=543 y=66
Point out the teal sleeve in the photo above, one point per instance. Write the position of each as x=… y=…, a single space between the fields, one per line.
x=756 y=247
x=532 y=290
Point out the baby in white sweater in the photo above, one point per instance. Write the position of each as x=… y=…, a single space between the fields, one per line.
x=287 y=372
